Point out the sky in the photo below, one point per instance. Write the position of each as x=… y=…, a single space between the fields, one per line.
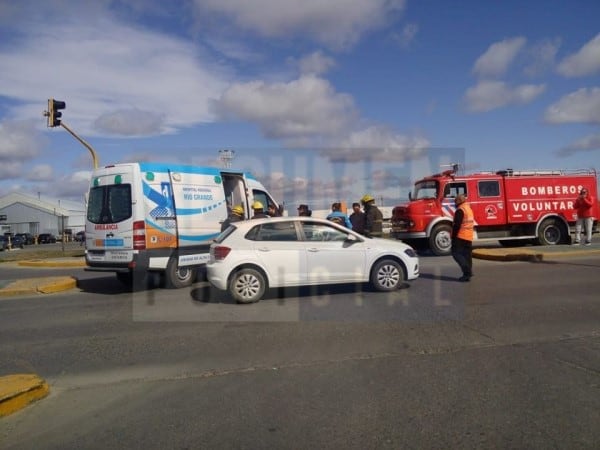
x=322 y=101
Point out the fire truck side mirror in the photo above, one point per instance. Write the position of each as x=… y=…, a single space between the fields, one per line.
x=410 y=196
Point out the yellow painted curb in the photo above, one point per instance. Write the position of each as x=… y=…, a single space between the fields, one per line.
x=45 y=285
x=18 y=391
x=58 y=285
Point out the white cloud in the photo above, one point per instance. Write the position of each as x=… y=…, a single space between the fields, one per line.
x=543 y=56
x=585 y=144
x=407 y=35
x=315 y=63
x=103 y=66
x=489 y=95
x=306 y=108
x=498 y=57
x=585 y=62
x=377 y=143
x=40 y=172
x=581 y=106
x=19 y=140
x=334 y=23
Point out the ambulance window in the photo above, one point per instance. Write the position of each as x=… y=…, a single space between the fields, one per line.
x=489 y=188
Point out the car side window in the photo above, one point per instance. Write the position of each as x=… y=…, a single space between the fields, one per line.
x=321 y=232
x=275 y=231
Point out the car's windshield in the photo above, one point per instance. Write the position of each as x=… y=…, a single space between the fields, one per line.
x=425 y=189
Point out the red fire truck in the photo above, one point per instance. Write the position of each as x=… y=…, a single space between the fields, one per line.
x=512 y=207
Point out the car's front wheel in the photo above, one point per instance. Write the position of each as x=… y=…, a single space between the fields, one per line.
x=387 y=275
x=247 y=285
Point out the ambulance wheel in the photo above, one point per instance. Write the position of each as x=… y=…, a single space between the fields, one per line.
x=440 y=241
x=177 y=277
x=551 y=232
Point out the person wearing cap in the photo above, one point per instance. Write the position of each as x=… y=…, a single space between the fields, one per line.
x=303 y=210
x=373 y=217
x=583 y=206
x=259 y=210
x=236 y=215
x=462 y=237
x=357 y=218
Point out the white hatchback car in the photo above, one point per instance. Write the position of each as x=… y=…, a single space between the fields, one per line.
x=252 y=256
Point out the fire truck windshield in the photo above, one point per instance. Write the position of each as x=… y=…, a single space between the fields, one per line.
x=425 y=189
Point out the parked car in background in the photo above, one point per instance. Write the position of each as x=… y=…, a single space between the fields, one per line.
x=251 y=256
x=28 y=238
x=3 y=243
x=15 y=241
x=46 y=238
x=80 y=236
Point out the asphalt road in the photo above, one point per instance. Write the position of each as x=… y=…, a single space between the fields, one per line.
x=511 y=359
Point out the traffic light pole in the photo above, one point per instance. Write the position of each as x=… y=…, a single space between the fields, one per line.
x=85 y=144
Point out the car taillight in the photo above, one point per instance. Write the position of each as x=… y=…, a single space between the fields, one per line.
x=139 y=235
x=220 y=252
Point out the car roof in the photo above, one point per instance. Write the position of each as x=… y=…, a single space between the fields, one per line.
x=253 y=222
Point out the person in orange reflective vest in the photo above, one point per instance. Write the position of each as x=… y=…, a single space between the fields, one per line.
x=462 y=237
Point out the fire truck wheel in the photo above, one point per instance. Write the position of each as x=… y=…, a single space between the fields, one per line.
x=551 y=232
x=440 y=240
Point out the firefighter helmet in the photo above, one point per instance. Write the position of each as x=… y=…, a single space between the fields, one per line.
x=366 y=199
x=257 y=205
x=238 y=209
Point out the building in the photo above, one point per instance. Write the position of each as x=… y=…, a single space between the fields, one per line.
x=21 y=213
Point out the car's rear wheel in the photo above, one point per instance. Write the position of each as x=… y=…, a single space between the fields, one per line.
x=387 y=275
x=247 y=285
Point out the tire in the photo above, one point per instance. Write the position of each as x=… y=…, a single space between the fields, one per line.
x=247 y=285
x=177 y=277
x=551 y=232
x=440 y=241
x=387 y=275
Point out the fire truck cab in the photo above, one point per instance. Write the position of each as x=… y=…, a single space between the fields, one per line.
x=512 y=207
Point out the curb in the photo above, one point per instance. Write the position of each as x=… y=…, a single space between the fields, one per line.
x=528 y=255
x=46 y=285
x=51 y=263
x=18 y=391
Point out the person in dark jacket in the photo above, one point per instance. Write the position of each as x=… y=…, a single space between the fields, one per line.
x=373 y=217
x=236 y=215
x=259 y=210
x=303 y=210
x=357 y=218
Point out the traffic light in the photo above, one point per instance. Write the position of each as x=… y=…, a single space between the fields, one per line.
x=53 y=113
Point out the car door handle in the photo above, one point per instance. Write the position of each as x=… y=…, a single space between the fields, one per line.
x=263 y=249
x=313 y=249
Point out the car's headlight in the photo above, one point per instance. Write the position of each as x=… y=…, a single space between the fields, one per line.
x=410 y=252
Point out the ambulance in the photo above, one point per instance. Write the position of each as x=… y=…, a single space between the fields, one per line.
x=145 y=218
x=513 y=207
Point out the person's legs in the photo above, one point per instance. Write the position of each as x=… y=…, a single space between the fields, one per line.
x=461 y=253
x=578 y=225
x=588 y=222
